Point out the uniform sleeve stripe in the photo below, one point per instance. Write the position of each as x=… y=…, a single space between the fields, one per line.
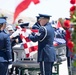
x=45 y=34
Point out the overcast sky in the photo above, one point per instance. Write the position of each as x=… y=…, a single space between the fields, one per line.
x=56 y=8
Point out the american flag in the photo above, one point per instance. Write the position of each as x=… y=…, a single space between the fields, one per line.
x=29 y=46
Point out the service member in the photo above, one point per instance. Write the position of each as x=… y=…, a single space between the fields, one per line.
x=17 y=33
x=5 y=49
x=46 y=51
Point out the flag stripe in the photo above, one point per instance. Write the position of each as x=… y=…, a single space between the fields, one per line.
x=27 y=39
x=25 y=45
x=33 y=48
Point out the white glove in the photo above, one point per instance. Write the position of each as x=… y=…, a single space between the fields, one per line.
x=16 y=33
x=10 y=66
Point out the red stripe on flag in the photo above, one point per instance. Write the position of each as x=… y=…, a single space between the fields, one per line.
x=34 y=30
x=33 y=48
x=27 y=55
x=21 y=36
x=25 y=45
x=27 y=39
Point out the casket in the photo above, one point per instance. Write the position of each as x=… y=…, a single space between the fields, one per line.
x=60 y=47
x=31 y=63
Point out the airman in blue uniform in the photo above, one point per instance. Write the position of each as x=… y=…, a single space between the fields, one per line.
x=3 y=17
x=5 y=49
x=46 y=50
x=16 y=34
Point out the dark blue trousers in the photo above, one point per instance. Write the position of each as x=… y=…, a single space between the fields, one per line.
x=3 y=68
x=68 y=61
x=46 y=68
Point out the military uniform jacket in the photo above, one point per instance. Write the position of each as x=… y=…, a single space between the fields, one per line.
x=45 y=38
x=5 y=47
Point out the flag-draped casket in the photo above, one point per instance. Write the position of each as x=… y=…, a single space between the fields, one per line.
x=28 y=49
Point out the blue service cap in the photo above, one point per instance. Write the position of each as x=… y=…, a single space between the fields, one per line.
x=44 y=16
x=4 y=18
x=37 y=17
x=23 y=25
x=2 y=21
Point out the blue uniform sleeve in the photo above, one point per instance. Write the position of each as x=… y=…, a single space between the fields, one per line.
x=8 y=48
x=37 y=36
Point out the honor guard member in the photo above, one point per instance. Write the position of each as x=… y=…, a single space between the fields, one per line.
x=17 y=33
x=37 y=24
x=46 y=50
x=3 y=17
x=5 y=49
